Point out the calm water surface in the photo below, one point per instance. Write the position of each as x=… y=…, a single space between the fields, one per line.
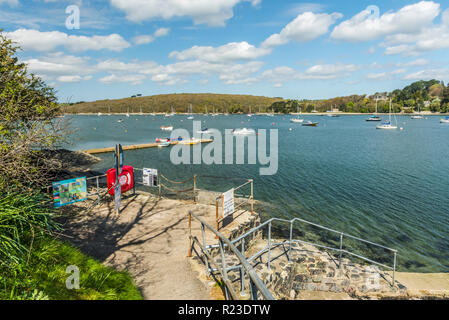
x=390 y=187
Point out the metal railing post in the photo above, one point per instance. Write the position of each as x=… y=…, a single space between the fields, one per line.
x=190 y=235
x=160 y=189
x=291 y=240
x=269 y=247
x=253 y=291
x=194 y=188
x=203 y=234
x=394 y=267
x=242 y=272
x=341 y=251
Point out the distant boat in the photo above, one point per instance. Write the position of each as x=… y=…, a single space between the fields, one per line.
x=310 y=124
x=190 y=117
x=299 y=119
x=100 y=114
x=418 y=116
x=445 y=120
x=189 y=142
x=375 y=117
x=243 y=132
x=204 y=131
x=164 y=144
x=387 y=124
x=167 y=128
x=120 y=120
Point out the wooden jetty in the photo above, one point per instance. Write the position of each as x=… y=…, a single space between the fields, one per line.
x=135 y=147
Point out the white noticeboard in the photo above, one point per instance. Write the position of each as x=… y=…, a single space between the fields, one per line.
x=228 y=203
x=150 y=177
x=118 y=196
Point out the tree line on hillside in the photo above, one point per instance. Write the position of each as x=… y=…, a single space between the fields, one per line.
x=430 y=95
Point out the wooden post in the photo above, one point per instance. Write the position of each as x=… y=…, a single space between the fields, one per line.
x=216 y=214
x=252 y=197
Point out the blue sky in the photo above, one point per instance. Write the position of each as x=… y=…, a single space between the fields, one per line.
x=290 y=49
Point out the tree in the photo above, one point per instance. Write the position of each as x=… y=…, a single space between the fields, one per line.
x=27 y=130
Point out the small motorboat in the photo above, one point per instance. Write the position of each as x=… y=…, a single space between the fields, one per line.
x=298 y=120
x=167 y=128
x=243 y=132
x=164 y=144
x=204 y=131
x=310 y=124
x=189 y=142
x=374 y=118
x=445 y=120
x=191 y=118
x=333 y=115
x=162 y=140
x=120 y=120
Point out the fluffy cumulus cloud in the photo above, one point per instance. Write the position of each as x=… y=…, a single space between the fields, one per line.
x=306 y=27
x=365 y=26
x=210 y=12
x=230 y=52
x=36 y=40
x=145 y=39
x=442 y=73
x=430 y=38
x=329 y=71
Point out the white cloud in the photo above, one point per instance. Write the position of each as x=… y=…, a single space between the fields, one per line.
x=230 y=52
x=440 y=74
x=414 y=63
x=36 y=40
x=144 y=39
x=364 y=27
x=210 y=12
x=306 y=27
x=12 y=3
x=59 y=64
x=329 y=71
x=73 y=79
x=162 y=32
x=134 y=79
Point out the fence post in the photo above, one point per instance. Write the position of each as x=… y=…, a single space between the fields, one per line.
x=98 y=189
x=269 y=247
x=252 y=196
x=216 y=215
x=242 y=272
x=203 y=233
x=194 y=188
x=160 y=189
x=291 y=239
x=341 y=250
x=394 y=267
x=190 y=235
x=253 y=290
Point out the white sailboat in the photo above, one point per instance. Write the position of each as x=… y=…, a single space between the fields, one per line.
x=299 y=119
x=418 y=116
x=387 y=124
x=375 y=117
x=190 y=117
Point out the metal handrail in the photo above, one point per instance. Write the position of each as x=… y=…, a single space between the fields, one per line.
x=339 y=250
x=256 y=282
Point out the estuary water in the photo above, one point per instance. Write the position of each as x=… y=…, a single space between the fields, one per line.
x=389 y=187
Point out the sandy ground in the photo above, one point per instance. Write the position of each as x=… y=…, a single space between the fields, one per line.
x=150 y=239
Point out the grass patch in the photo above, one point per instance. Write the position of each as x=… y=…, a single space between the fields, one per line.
x=44 y=277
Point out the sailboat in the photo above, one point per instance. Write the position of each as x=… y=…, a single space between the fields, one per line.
x=387 y=124
x=127 y=113
x=418 y=116
x=445 y=120
x=250 y=113
x=331 y=114
x=375 y=117
x=299 y=119
x=214 y=114
x=190 y=114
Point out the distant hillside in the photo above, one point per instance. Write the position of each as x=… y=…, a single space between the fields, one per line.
x=179 y=102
